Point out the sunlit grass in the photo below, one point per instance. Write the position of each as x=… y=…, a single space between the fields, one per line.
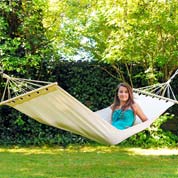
x=87 y=162
x=158 y=152
x=96 y=149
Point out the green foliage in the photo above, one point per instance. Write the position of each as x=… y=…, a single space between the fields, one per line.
x=136 y=39
x=23 y=42
x=129 y=32
x=92 y=84
x=79 y=79
x=17 y=129
x=155 y=136
x=89 y=82
x=144 y=32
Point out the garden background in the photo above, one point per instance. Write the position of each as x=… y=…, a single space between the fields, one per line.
x=88 y=47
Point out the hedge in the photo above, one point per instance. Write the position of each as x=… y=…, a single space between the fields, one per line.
x=89 y=82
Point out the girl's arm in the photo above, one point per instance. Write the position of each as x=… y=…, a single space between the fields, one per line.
x=139 y=112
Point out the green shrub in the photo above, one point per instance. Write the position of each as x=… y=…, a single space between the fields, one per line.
x=94 y=87
x=154 y=136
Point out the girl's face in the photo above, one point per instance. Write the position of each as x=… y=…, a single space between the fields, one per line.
x=123 y=94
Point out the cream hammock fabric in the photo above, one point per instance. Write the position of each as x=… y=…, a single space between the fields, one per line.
x=53 y=106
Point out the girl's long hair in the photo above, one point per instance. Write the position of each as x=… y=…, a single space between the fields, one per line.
x=130 y=101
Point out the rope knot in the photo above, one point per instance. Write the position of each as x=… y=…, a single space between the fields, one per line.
x=6 y=76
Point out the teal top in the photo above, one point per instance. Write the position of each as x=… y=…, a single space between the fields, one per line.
x=123 y=119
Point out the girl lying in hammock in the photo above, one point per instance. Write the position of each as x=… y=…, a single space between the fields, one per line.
x=124 y=109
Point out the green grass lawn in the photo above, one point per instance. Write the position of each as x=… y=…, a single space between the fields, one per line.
x=87 y=162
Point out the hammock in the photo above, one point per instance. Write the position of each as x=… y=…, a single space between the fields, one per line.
x=53 y=106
